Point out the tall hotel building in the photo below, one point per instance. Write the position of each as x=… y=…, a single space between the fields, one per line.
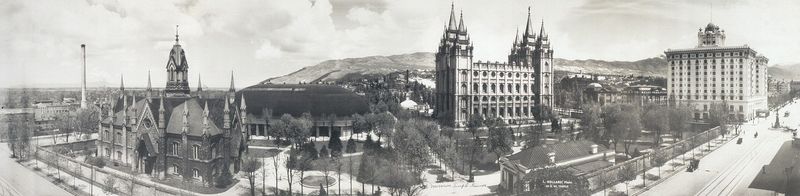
x=713 y=73
x=492 y=89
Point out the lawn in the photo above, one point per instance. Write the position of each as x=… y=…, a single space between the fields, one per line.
x=355 y=161
x=261 y=153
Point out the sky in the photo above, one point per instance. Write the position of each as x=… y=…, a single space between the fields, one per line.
x=260 y=39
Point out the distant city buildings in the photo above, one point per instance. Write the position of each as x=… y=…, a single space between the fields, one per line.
x=778 y=87
x=492 y=89
x=713 y=73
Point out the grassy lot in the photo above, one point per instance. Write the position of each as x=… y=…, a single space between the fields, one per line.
x=354 y=161
x=260 y=153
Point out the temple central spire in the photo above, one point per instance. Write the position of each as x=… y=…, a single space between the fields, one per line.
x=176 y=35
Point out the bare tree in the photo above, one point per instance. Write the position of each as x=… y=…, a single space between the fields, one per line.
x=249 y=167
x=275 y=163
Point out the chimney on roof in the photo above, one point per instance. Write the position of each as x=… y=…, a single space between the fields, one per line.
x=594 y=148
x=552 y=157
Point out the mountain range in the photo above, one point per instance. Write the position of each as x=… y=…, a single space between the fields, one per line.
x=334 y=70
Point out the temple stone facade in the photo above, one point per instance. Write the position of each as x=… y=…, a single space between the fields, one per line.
x=492 y=89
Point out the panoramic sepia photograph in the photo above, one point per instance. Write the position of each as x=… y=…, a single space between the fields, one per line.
x=399 y=97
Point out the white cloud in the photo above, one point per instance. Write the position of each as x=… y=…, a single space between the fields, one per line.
x=259 y=39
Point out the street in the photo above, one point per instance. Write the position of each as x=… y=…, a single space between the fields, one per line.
x=18 y=180
x=730 y=169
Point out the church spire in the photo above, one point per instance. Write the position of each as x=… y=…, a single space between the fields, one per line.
x=205 y=118
x=528 y=26
x=452 y=24
x=121 y=83
x=232 y=88
x=516 y=37
x=149 y=84
x=541 y=30
x=199 y=84
x=176 y=35
x=461 y=27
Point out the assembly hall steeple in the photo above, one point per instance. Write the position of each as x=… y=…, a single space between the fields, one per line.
x=177 y=70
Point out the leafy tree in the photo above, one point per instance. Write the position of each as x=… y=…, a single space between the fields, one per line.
x=65 y=123
x=499 y=137
x=656 y=119
x=335 y=145
x=591 y=122
x=310 y=151
x=360 y=124
x=679 y=120
x=351 y=146
x=287 y=127
x=626 y=174
x=249 y=167
x=323 y=153
x=475 y=123
x=624 y=124
x=223 y=180
x=366 y=171
x=658 y=159
x=86 y=120
x=369 y=144
x=411 y=146
x=718 y=115
x=20 y=132
x=110 y=184
x=385 y=123
x=541 y=113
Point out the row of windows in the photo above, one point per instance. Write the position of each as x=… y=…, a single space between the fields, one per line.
x=713 y=97
x=705 y=67
x=503 y=88
x=706 y=79
x=195 y=150
x=176 y=170
x=501 y=74
x=706 y=85
x=706 y=91
x=501 y=98
x=703 y=55
x=688 y=73
x=705 y=62
x=503 y=111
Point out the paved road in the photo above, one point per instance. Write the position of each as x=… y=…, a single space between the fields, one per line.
x=18 y=180
x=730 y=169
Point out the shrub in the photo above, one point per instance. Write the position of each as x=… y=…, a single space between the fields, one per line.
x=335 y=145
x=323 y=153
x=96 y=161
x=110 y=184
x=351 y=146
x=223 y=180
x=652 y=177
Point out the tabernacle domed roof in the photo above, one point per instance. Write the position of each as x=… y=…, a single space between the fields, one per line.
x=711 y=27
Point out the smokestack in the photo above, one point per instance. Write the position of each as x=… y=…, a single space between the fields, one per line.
x=83 y=78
